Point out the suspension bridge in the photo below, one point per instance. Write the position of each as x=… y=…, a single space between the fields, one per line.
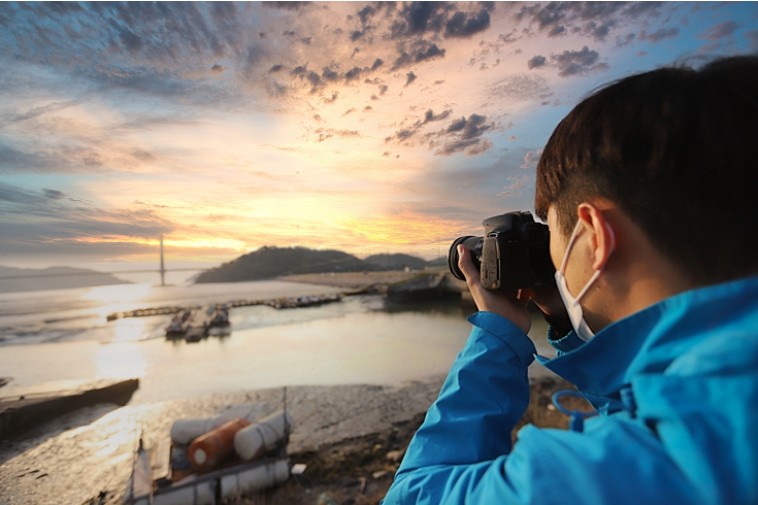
x=162 y=270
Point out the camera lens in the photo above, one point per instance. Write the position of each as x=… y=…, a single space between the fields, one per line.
x=472 y=243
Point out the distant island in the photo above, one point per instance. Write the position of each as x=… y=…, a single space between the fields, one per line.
x=271 y=262
x=31 y=279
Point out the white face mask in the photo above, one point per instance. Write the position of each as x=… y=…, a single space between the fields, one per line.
x=573 y=307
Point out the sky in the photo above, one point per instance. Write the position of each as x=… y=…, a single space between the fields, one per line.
x=364 y=127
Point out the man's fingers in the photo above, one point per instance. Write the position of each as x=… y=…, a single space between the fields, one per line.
x=466 y=265
x=506 y=303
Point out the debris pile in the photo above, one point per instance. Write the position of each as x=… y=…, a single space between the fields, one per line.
x=214 y=459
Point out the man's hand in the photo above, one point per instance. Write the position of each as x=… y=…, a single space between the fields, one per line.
x=509 y=304
x=548 y=300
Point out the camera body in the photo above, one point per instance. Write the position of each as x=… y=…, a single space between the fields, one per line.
x=513 y=254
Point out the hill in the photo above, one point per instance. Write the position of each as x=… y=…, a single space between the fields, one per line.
x=396 y=261
x=270 y=262
x=31 y=279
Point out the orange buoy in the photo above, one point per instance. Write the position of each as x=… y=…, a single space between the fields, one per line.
x=210 y=449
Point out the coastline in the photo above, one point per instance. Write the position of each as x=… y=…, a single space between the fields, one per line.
x=356 y=280
x=359 y=470
x=350 y=437
x=94 y=447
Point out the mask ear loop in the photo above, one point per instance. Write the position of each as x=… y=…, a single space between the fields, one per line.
x=600 y=270
x=570 y=244
x=613 y=238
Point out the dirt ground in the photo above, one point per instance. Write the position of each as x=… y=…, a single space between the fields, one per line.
x=359 y=471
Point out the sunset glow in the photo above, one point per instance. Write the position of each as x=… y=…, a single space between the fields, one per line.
x=364 y=127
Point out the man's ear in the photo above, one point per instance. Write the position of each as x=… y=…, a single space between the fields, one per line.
x=603 y=239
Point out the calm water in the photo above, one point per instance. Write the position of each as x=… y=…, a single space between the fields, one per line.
x=57 y=339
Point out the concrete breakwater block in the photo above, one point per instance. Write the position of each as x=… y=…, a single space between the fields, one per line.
x=21 y=413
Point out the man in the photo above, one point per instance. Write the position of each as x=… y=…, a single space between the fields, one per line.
x=649 y=189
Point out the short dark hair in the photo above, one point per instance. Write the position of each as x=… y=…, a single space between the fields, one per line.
x=677 y=149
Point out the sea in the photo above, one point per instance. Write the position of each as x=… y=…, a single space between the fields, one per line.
x=61 y=339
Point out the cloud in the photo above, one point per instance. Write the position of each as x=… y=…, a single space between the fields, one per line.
x=659 y=35
x=464 y=135
x=570 y=63
x=441 y=18
x=308 y=76
x=469 y=128
x=418 y=52
x=523 y=87
x=66 y=219
x=462 y=24
x=595 y=20
x=288 y=6
x=404 y=134
x=34 y=112
x=419 y=17
x=53 y=194
x=466 y=193
x=531 y=158
x=536 y=62
x=461 y=135
x=154 y=48
x=430 y=116
x=353 y=74
x=577 y=62
x=119 y=88
x=327 y=133
x=721 y=30
x=516 y=184
x=753 y=38
x=330 y=74
x=18 y=159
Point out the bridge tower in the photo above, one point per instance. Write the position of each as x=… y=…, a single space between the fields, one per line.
x=163 y=266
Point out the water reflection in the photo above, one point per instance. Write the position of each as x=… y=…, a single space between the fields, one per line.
x=452 y=306
x=111 y=299
x=120 y=361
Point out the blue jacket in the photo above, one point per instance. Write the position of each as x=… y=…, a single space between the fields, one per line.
x=676 y=386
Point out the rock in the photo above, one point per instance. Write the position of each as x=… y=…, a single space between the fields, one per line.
x=325 y=499
x=395 y=456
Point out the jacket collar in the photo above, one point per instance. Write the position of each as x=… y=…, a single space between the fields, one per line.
x=651 y=339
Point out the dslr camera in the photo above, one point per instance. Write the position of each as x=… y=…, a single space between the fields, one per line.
x=513 y=254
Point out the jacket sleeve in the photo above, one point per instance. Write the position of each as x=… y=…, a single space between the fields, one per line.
x=461 y=447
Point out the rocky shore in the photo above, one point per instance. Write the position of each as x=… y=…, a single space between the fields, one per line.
x=358 y=470
x=350 y=438
x=87 y=457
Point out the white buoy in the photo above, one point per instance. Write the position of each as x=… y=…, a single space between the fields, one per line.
x=207 y=451
x=184 y=431
x=253 y=441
